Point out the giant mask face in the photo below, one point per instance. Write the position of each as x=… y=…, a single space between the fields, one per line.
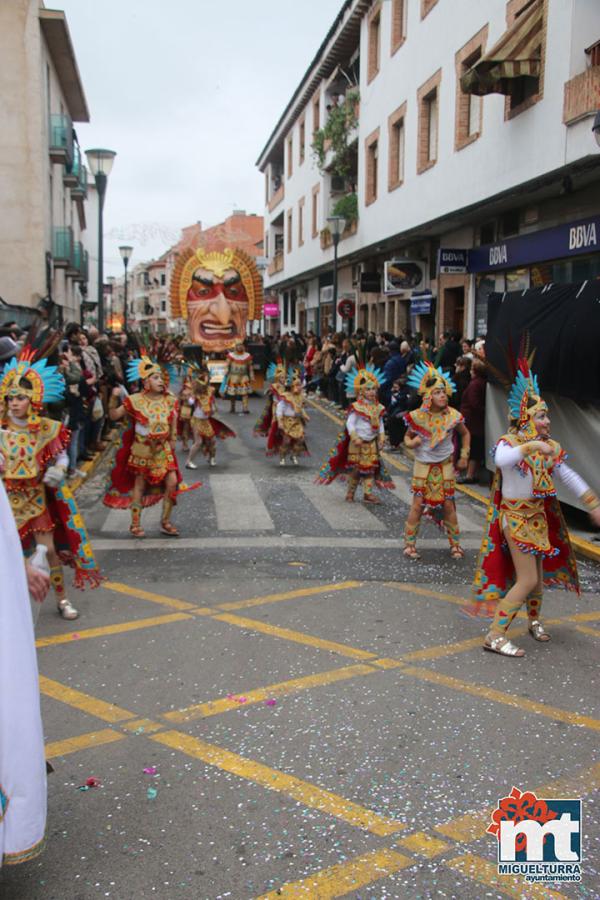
x=217 y=293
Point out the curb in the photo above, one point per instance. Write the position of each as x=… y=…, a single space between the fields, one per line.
x=580 y=545
x=88 y=468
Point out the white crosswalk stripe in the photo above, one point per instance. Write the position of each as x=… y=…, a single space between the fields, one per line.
x=238 y=504
x=338 y=514
x=120 y=519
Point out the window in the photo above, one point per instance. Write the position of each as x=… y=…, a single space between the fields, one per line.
x=289 y=231
x=398 y=24
x=302 y=147
x=290 y=153
x=372 y=154
x=315 y=211
x=428 y=104
x=469 y=107
x=316 y=105
x=301 y=221
x=396 y=148
x=374 y=39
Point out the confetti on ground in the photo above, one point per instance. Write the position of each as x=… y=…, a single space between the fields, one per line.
x=151 y=793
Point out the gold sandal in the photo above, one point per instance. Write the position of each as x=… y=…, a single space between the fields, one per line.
x=503 y=646
x=457 y=552
x=411 y=552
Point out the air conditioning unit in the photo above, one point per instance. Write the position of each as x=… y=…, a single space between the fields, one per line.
x=338 y=184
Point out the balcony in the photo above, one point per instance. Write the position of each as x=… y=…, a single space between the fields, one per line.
x=61 y=139
x=62 y=248
x=78 y=268
x=276 y=264
x=581 y=95
x=276 y=198
x=350 y=229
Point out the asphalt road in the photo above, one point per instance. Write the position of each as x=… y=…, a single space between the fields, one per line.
x=279 y=704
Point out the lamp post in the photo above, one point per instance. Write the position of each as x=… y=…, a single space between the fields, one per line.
x=125 y=256
x=336 y=227
x=100 y=163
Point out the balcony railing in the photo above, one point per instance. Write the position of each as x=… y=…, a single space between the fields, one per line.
x=276 y=198
x=276 y=264
x=77 y=269
x=62 y=248
x=581 y=95
x=79 y=190
x=61 y=139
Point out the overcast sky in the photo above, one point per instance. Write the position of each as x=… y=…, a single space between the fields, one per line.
x=187 y=92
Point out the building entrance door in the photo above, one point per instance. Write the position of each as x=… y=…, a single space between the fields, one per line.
x=454 y=310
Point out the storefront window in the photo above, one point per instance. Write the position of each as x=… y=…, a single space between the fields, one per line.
x=517 y=280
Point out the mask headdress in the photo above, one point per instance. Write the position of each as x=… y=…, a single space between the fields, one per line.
x=363 y=379
x=426 y=378
x=524 y=400
x=276 y=371
x=44 y=384
x=218 y=263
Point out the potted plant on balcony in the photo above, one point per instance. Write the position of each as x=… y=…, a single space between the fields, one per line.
x=334 y=136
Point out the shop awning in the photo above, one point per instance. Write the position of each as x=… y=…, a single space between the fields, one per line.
x=516 y=55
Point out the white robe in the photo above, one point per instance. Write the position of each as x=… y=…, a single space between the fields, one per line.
x=22 y=763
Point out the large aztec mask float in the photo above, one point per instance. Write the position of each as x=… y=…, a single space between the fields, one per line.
x=218 y=293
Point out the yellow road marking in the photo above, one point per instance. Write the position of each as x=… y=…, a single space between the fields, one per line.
x=108 y=712
x=584 y=630
x=111 y=629
x=484 y=872
x=144 y=726
x=583 y=617
x=289 y=595
x=443 y=649
x=296 y=636
x=386 y=663
x=308 y=795
x=522 y=703
x=423 y=844
x=214 y=707
x=473 y=825
x=337 y=881
x=82 y=742
x=424 y=592
x=147 y=595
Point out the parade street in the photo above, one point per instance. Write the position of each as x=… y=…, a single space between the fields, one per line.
x=279 y=703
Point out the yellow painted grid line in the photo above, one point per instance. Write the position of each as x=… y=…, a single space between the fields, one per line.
x=108 y=712
x=308 y=795
x=148 y=595
x=473 y=825
x=88 y=633
x=521 y=703
x=442 y=650
x=423 y=844
x=289 y=595
x=82 y=742
x=224 y=704
x=296 y=636
x=584 y=630
x=346 y=877
x=486 y=873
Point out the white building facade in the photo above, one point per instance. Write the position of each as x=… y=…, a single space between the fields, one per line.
x=449 y=149
x=43 y=179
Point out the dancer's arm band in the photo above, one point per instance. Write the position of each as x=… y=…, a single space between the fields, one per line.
x=591 y=500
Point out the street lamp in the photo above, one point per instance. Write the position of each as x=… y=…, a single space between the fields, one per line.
x=100 y=163
x=596 y=127
x=336 y=227
x=125 y=256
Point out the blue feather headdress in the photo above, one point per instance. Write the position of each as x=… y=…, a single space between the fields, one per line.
x=364 y=378
x=47 y=384
x=426 y=378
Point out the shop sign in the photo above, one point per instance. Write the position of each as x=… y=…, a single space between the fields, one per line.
x=271 y=310
x=421 y=303
x=403 y=275
x=452 y=262
x=571 y=239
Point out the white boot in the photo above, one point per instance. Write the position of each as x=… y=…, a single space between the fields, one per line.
x=213 y=461
x=282 y=461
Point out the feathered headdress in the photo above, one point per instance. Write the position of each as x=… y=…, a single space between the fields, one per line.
x=364 y=378
x=524 y=400
x=47 y=384
x=426 y=378
x=276 y=371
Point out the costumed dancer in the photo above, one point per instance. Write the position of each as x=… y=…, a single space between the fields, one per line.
x=526 y=544
x=184 y=423
x=357 y=454
x=291 y=419
x=238 y=377
x=22 y=760
x=146 y=469
x=277 y=376
x=206 y=428
x=429 y=433
x=34 y=456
